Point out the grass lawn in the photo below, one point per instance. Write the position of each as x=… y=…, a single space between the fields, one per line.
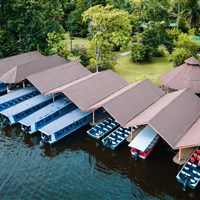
x=75 y=41
x=134 y=72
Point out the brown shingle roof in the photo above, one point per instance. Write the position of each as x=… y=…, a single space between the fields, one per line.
x=57 y=76
x=8 y=63
x=131 y=100
x=93 y=88
x=20 y=72
x=184 y=76
x=172 y=116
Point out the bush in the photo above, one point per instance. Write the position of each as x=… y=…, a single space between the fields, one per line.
x=179 y=55
x=81 y=52
x=141 y=53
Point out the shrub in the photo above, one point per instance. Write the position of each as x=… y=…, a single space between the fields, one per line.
x=140 y=53
x=179 y=55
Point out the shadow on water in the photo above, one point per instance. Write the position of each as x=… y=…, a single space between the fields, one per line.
x=156 y=175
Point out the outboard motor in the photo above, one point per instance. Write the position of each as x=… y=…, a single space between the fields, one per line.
x=44 y=140
x=187 y=178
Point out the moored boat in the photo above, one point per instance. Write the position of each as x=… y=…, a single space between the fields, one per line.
x=103 y=128
x=143 y=143
x=189 y=175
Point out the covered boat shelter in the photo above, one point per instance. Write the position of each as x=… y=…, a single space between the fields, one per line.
x=8 y=63
x=55 y=77
x=175 y=117
x=19 y=73
x=91 y=89
x=186 y=75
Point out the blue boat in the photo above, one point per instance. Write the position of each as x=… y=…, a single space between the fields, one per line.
x=189 y=175
x=3 y=88
x=15 y=113
x=117 y=137
x=103 y=128
x=64 y=125
x=44 y=116
x=13 y=98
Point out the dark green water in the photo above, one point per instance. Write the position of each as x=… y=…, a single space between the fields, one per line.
x=79 y=167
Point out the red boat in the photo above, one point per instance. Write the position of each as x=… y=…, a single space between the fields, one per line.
x=143 y=143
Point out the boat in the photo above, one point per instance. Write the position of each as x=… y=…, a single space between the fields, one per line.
x=143 y=143
x=13 y=98
x=3 y=88
x=17 y=112
x=44 y=116
x=64 y=126
x=189 y=175
x=117 y=137
x=103 y=128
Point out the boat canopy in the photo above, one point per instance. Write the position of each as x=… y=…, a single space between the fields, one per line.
x=143 y=139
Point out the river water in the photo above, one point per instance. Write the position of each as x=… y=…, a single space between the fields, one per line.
x=79 y=167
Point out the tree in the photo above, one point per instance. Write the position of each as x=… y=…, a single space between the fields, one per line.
x=111 y=27
x=29 y=28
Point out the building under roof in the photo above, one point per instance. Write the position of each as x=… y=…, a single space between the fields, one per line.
x=185 y=76
x=57 y=76
x=10 y=62
x=175 y=117
x=20 y=72
x=91 y=89
x=128 y=102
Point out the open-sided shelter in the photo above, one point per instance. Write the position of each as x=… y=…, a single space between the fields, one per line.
x=175 y=117
x=57 y=76
x=185 y=76
x=8 y=63
x=20 y=72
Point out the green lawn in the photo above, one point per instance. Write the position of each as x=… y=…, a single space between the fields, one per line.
x=133 y=72
x=75 y=41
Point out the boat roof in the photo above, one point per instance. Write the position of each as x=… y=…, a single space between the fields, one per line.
x=143 y=139
x=93 y=88
x=8 y=63
x=58 y=75
x=44 y=112
x=174 y=117
x=131 y=100
x=63 y=121
x=20 y=72
x=20 y=107
x=16 y=94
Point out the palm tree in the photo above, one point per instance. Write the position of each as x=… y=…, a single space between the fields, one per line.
x=191 y=11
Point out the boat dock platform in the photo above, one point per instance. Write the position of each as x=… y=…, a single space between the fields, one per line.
x=118 y=136
x=44 y=116
x=64 y=126
x=15 y=113
x=189 y=175
x=103 y=128
x=143 y=143
x=13 y=98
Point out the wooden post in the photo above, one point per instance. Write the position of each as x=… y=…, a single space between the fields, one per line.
x=93 y=117
x=179 y=154
x=131 y=132
x=24 y=84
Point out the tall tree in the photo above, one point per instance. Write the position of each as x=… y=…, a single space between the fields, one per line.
x=111 y=28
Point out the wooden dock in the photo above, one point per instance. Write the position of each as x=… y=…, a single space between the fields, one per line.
x=185 y=154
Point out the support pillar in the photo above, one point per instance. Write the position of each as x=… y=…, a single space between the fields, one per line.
x=179 y=154
x=93 y=117
x=23 y=84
